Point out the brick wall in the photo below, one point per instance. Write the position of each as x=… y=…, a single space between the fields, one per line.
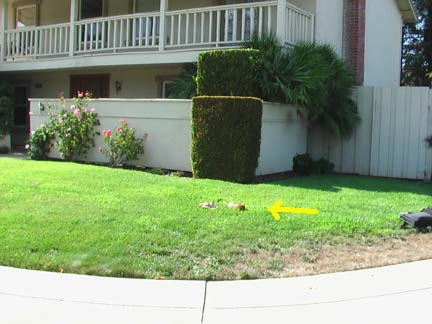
x=354 y=36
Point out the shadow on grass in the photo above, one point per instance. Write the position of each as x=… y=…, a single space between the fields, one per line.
x=335 y=182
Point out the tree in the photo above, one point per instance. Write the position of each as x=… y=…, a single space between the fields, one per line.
x=417 y=50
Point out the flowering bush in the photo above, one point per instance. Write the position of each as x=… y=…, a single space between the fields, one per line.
x=122 y=145
x=74 y=127
x=40 y=142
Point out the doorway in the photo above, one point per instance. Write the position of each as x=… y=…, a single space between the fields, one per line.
x=20 y=134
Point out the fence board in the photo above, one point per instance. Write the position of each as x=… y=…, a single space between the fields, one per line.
x=428 y=160
x=389 y=142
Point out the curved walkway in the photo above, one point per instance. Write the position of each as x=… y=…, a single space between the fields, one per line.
x=393 y=294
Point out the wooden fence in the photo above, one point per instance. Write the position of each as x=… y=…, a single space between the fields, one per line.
x=390 y=139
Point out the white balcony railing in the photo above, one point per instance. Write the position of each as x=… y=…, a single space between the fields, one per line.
x=37 y=41
x=222 y=25
x=199 y=28
x=117 y=33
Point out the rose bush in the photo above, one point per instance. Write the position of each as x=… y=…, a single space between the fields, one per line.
x=121 y=145
x=74 y=128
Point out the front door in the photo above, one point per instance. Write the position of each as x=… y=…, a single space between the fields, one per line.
x=21 y=123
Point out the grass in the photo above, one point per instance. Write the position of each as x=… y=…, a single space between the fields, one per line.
x=87 y=219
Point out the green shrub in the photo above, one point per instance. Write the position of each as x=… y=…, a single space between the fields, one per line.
x=184 y=86
x=6 y=115
x=429 y=141
x=122 y=146
x=74 y=128
x=40 y=142
x=227 y=73
x=226 y=137
x=324 y=166
x=304 y=165
x=311 y=76
x=159 y=171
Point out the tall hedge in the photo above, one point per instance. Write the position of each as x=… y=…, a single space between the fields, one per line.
x=227 y=73
x=226 y=137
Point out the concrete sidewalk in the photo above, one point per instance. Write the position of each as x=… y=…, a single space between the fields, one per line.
x=394 y=294
x=15 y=155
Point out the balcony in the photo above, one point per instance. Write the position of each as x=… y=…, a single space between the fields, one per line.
x=190 y=30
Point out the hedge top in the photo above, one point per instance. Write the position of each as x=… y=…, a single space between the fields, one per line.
x=227 y=72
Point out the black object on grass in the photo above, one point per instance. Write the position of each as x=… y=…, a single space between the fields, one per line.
x=419 y=220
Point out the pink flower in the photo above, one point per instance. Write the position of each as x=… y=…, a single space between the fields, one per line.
x=123 y=121
x=92 y=110
x=60 y=120
x=27 y=146
x=80 y=94
x=104 y=131
x=108 y=133
x=100 y=149
x=86 y=94
x=77 y=114
x=72 y=107
x=119 y=130
x=86 y=110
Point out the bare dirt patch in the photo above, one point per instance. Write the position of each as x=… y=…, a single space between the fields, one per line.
x=318 y=259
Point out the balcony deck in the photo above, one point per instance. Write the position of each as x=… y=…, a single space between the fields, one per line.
x=156 y=37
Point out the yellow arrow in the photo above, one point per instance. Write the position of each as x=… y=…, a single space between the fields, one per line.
x=277 y=208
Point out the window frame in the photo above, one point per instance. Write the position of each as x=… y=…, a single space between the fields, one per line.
x=164 y=84
x=23 y=5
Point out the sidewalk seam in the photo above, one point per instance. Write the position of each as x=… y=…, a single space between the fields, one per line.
x=204 y=302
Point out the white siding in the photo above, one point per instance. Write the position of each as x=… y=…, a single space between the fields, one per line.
x=383 y=43
x=329 y=23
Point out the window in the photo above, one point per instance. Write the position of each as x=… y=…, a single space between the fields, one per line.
x=25 y=16
x=98 y=85
x=91 y=9
x=167 y=88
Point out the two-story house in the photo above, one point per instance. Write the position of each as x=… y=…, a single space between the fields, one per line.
x=134 y=48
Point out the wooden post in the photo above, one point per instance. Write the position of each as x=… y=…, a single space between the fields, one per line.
x=3 y=28
x=281 y=20
x=73 y=19
x=162 y=27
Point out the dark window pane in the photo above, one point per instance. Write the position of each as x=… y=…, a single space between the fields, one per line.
x=91 y=8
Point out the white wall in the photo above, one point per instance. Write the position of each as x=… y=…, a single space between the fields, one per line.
x=383 y=43
x=329 y=23
x=168 y=124
x=5 y=141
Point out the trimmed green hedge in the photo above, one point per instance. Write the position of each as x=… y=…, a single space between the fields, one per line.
x=227 y=73
x=226 y=137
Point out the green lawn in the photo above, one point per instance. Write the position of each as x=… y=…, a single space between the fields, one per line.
x=96 y=220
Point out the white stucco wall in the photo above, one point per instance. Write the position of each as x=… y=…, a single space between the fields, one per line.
x=383 y=43
x=329 y=23
x=168 y=124
x=5 y=141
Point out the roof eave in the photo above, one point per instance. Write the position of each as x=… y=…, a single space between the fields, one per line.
x=409 y=14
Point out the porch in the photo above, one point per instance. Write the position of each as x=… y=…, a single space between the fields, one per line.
x=155 y=32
